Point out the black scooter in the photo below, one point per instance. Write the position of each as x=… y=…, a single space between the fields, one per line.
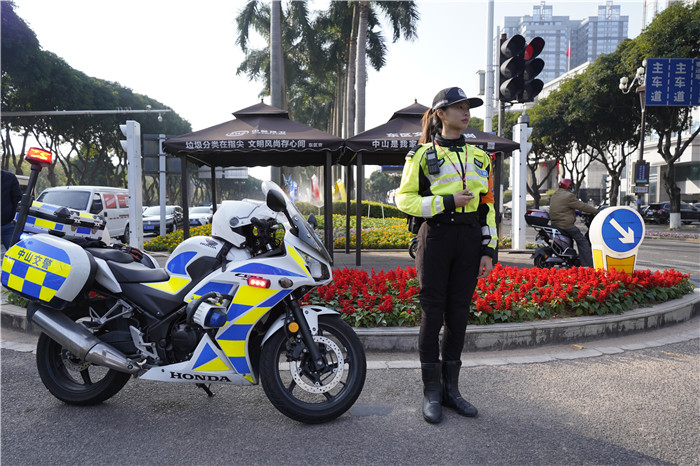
x=555 y=248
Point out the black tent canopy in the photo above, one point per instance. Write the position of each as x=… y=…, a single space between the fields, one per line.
x=388 y=143
x=260 y=135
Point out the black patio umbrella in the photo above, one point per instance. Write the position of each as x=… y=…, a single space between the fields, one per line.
x=388 y=143
x=260 y=135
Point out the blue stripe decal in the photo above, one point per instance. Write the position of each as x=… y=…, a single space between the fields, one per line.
x=240 y=364
x=274 y=299
x=265 y=269
x=205 y=356
x=178 y=263
x=236 y=310
x=223 y=288
x=45 y=250
x=235 y=333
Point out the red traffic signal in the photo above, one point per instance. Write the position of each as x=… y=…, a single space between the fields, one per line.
x=531 y=68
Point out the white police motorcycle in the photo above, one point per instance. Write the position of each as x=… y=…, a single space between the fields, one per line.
x=225 y=309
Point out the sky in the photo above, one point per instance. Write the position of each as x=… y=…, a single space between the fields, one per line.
x=184 y=53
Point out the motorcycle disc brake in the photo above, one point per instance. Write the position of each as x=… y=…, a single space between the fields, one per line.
x=298 y=372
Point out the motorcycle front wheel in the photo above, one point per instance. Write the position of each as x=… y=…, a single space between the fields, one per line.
x=72 y=380
x=412 y=249
x=305 y=394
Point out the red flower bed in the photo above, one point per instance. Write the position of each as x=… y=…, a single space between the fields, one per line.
x=508 y=294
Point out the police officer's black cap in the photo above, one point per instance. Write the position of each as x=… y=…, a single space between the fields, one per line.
x=452 y=95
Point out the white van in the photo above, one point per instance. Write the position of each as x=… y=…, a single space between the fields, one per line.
x=111 y=203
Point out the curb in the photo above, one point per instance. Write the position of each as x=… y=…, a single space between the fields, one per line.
x=495 y=337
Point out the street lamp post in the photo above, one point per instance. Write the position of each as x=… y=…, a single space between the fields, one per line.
x=641 y=168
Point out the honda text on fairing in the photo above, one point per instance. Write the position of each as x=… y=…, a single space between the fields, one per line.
x=225 y=309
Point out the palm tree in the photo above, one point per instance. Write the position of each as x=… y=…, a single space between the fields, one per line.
x=403 y=17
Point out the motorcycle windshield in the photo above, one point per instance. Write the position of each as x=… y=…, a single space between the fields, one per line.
x=304 y=231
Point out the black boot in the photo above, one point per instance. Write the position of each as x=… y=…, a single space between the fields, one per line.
x=450 y=390
x=432 y=409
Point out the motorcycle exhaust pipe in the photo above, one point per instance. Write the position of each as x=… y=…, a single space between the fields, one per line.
x=79 y=340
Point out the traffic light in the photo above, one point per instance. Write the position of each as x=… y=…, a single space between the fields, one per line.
x=531 y=68
x=132 y=144
x=511 y=67
x=518 y=68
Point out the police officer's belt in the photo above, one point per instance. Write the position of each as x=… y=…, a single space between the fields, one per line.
x=455 y=218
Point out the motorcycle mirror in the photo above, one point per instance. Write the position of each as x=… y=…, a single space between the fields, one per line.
x=312 y=221
x=275 y=201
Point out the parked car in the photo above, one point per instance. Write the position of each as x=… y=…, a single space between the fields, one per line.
x=661 y=212
x=174 y=219
x=200 y=215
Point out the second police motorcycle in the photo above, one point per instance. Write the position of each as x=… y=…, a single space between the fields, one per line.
x=225 y=309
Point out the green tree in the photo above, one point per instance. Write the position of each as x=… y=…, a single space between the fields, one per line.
x=86 y=147
x=378 y=184
x=674 y=33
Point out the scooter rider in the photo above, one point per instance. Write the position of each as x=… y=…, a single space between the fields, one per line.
x=562 y=215
x=449 y=184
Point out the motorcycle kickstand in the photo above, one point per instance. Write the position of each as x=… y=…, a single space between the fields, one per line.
x=206 y=389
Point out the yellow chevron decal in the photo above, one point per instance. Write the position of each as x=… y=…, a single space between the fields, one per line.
x=251 y=296
x=172 y=286
x=298 y=259
x=253 y=316
x=213 y=365
x=233 y=348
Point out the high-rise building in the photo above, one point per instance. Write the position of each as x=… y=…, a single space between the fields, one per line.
x=597 y=35
x=569 y=43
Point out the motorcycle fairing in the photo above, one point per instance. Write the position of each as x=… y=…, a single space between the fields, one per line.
x=47 y=268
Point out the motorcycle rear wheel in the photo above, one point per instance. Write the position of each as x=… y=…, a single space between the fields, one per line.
x=300 y=392
x=73 y=380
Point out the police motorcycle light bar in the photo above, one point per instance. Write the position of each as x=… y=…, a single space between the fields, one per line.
x=38 y=158
x=258 y=282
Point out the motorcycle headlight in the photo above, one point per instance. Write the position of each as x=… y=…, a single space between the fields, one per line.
x=314 y=266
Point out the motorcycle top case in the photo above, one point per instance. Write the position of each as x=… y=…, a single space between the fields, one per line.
x=538 y=218
x=49 y=269
x=63 y=222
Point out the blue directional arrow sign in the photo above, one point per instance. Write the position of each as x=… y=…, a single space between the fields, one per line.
x=622 y=230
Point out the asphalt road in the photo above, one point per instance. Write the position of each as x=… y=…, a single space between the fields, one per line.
x=634 y=407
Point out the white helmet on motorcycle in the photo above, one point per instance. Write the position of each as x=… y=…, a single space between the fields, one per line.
x=231 y=217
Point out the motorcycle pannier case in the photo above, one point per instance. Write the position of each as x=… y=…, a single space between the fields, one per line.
x=63 y=222
x=45 y=268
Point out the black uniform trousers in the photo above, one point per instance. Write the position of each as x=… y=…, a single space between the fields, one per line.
x=447 y=265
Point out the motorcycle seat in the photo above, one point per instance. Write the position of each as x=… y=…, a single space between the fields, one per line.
x=134 y=272
x=109 y=254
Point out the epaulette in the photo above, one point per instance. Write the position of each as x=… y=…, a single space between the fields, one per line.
x=413 y=150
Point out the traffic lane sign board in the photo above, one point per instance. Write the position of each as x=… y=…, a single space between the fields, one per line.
x=641 y=189
x=622 y=229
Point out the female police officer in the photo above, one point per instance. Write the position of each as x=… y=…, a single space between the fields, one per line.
x=448 y=184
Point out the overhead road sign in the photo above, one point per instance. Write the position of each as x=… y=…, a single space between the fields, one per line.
x=673 y=82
